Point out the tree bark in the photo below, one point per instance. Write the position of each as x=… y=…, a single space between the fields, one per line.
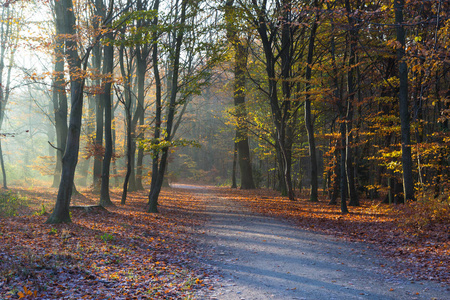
x=142 y=53
x=2 y=163
x=280 y=115
x=240 y=67
x=308 y=118
x=65 y=19
x=245 y=164
x=60 y=106
x=408 y=183
x=154 y=193
x=99 y=14
x=349 y=167
x=234 y=171
x=5 y=39
x=108 y=66
x=158 y=101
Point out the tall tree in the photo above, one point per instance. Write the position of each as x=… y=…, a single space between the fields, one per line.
x=175 y=65
x=97 y=17
x=143 y=49
x=158 y=97
x=6 y=48
x=66 y=21
x=308 y=118
x=408 y=183
x=349 y=168
x=240 y=61
x=108 y=66
x=59 y=98
x=278 y=51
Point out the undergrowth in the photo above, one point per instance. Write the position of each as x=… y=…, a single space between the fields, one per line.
x=11 y=203
x=425 y=213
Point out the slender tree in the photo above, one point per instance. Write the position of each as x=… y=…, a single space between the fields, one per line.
x=308 y=118
x=179 y=34
x=108 y=64
x=408 y=183
x=240 y=57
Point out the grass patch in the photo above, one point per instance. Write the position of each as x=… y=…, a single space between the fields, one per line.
x=11 y=204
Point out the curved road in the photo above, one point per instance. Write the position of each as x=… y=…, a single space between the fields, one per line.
x=259 y=258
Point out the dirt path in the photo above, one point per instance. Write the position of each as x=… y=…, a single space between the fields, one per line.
x=265 y=258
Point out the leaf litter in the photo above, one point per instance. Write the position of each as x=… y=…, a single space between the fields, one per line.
x=125 y=253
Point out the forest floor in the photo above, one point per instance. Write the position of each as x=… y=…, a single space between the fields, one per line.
x=125 y=253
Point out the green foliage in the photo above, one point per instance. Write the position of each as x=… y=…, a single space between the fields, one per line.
x=139 y=28
x=107 y=237
x=11 y=203
x=41 y=212
x=151 y=145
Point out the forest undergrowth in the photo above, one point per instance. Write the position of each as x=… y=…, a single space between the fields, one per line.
x=125 y=253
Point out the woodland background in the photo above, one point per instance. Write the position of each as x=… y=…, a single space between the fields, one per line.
x=303 y=105
x=347 y=98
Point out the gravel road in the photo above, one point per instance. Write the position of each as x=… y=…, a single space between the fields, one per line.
x=260 y=257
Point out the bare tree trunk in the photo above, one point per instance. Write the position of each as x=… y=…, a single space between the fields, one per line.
x=65 y=19
x=128 y=155
x=308 y=119
x=158 y=104
x=154 y=193
x=99 y=14
x=59 y=106
x=343 y=175
x=408 y=183
x=233 y=174
x=108 y=61
x=349 y=167
x=5 y=186
x=240 y=57
x=245 y=164
x=6 y=35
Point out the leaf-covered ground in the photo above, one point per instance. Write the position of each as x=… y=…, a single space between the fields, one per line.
x=125 y=253
x=119 y=253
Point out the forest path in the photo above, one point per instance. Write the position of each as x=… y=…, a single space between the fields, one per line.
x=265 y=258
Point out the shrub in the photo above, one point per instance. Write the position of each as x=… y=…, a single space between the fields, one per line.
x=11 y=203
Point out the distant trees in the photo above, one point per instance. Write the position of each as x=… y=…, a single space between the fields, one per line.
x=352 y=65
x=9 y=35
x=350 y=94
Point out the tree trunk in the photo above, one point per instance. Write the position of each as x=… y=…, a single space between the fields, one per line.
x=240 y=57
x=233 y=174
x=99 y=105
x=59 y=106
x=6 y=40
x=352 y=37
x=127 y=101
x=108 y=62
x=154 y=193
x=245 y=165
x=158 y=102
x=343 y=179
x=308 y=119
x=408 y=183
x=65 y=19
x=128 y=155
x=2 y=163
x=142 y=53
